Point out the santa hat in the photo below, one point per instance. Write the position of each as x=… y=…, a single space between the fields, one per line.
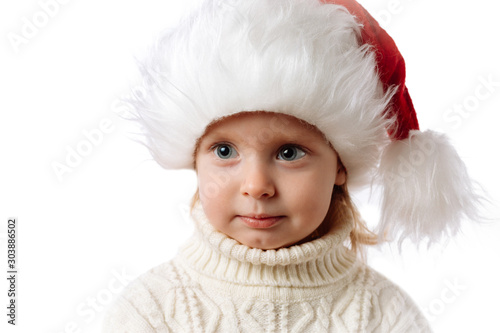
x=328 y=63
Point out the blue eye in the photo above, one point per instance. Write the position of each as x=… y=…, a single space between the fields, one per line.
x=290 y=153
x=225 y=151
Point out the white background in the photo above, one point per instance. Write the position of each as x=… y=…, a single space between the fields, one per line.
x=116 y=213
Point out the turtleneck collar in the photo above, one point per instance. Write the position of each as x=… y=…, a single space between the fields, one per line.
x=320 y=262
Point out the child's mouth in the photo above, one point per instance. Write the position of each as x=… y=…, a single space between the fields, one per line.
x=261 y=221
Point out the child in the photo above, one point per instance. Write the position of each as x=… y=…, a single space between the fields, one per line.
x=280 y=106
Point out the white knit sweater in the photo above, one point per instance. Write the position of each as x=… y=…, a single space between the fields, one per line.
x=216 y=284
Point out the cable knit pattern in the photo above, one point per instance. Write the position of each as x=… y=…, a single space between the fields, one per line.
x=215 y=284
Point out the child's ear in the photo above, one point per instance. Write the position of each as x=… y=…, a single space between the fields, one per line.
x=341 y=175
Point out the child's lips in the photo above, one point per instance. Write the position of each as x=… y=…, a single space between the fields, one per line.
x=261 y=221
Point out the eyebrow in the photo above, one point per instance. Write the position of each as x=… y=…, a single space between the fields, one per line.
x=304 y=139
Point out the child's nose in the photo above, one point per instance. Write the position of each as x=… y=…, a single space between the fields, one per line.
x=258 y=182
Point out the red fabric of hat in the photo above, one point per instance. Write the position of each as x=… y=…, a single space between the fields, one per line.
x=391 y=67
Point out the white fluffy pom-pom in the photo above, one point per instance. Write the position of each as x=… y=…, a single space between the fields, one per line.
x=426 y=189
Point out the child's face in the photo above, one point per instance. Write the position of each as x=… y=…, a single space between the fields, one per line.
x=266 y=179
